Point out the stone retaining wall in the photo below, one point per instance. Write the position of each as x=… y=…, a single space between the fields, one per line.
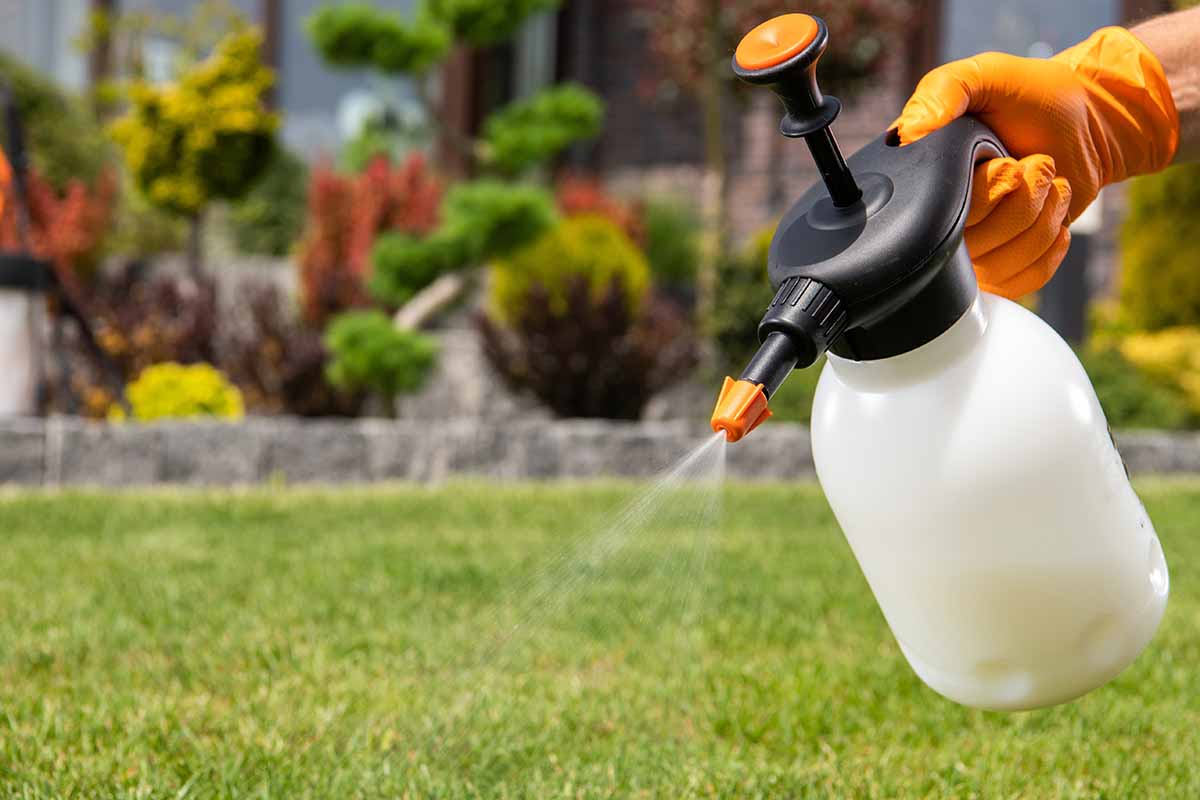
x=70 y=452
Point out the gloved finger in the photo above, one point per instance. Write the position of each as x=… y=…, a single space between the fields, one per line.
x=1016 y=211
x=992 y=181
x=941 y=97
x=1035 y=275
x=998 y=265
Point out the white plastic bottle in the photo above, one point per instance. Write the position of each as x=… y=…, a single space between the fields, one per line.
x=977 y=483
x=956 y=436
x=18 y=362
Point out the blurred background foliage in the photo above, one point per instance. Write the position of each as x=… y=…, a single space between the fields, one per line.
x=588 y=300
x=66 y=142
x=269 y=218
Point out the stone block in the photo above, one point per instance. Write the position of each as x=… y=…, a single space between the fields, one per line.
x=310 y=451
x=22 y=451
x=1147 y=452
x=390 y=448
x=589 y=449
x=215 y=453
x=772 y=452
x=492 y=450
x=99 y=454
x=545 y=451
x=642 y=450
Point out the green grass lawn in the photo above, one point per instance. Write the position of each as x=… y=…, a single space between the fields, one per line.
x=302 y=643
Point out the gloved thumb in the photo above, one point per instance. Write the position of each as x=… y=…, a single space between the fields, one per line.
x=941 y=97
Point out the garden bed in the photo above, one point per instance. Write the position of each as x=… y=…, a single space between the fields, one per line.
x=64 y=451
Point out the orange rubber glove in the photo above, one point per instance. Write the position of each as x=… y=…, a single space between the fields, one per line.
x=1096 y=113
x=5 y=180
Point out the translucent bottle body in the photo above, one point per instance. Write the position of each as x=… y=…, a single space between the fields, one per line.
x=977 y=483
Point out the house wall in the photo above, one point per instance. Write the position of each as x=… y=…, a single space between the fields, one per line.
x=42 y=34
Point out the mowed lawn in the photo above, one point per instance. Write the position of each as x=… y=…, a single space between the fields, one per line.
x=481 y=641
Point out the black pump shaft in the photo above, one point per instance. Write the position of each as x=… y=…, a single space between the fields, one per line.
x=782 y=55
x=843 y=189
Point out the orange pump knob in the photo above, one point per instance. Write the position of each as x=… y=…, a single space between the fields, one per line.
x=775 y=41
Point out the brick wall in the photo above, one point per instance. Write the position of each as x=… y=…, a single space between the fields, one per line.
x=646 y=125
x=653 y=141
x=768 y=172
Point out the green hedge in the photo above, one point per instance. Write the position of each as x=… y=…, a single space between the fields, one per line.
x=1160 y=250
x=64 y=137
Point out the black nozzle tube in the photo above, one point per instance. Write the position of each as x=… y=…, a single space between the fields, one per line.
x=843 y=189
x=774 y=361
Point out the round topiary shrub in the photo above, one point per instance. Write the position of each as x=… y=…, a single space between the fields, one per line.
x=368 y=352
x=591 y=248
x=175 y=391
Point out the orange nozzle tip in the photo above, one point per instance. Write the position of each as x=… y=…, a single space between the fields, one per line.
x=741 y=408
x=775 y=41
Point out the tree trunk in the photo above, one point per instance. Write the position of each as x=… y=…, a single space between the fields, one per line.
x=714 y=191
x=430 y=301
x=195 y=245
x=100 y=59
x=271 y=18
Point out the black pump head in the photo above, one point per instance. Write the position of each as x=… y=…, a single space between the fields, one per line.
x=789 y=69
x=879 y=274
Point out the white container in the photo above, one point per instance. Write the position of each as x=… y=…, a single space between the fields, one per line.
x=18 y=352
x=978 y=485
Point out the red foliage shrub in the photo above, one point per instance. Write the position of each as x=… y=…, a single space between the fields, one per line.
x=578 y=195
x=67 y=228
x=346 y=214
x=327 y=282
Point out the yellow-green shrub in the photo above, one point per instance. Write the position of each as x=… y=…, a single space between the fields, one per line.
x=1170 y=356
x=588 y=247
x=175 y=391
x=205 y=136
x=1160 y=250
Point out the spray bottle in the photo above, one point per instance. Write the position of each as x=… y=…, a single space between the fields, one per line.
x=957 y=438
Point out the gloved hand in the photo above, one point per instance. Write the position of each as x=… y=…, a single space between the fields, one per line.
x=1094 y=114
